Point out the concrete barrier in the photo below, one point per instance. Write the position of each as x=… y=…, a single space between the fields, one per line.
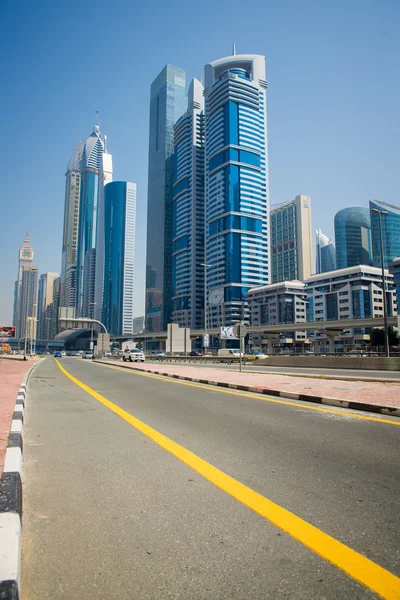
x=370 y=363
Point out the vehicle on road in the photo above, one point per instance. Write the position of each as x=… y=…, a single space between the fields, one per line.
x=160 y=354
x=257 y=355
x=133 y=355
x=57 y=355
x=195 y=353
x=87 y=355
x=233 y=352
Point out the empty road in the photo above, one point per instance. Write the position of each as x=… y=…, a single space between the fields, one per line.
x=143 y=487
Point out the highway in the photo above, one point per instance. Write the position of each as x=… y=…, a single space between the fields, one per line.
x=143 y=487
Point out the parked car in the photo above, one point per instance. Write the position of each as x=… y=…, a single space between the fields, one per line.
x=195 y=353
x=57 y=355
x=87 y=355
x=133 y=355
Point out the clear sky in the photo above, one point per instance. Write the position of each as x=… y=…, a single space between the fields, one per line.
x=333 y=101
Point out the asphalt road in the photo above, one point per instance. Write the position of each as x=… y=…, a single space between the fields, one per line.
x=253 y=366
x=111 y=514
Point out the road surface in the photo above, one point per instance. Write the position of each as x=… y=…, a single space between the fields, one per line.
x=115 y=507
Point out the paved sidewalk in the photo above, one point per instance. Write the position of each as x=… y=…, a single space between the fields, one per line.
x=360 y=395
x=11 y=375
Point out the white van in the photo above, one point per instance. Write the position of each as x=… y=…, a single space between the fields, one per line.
x=233 y=352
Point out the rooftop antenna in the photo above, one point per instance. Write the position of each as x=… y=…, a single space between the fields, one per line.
x=234 y=49
x=97 y=119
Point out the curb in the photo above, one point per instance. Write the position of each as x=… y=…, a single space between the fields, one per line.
x=383 y=410
x=11 y=502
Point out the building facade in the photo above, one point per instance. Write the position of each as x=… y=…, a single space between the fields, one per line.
x=54 y=308
x=168 y=101
x=390 y=233
x=45 y=298
x=25 y=260
x=395 y=271
x=28 y=298
x=188 y=213
x=236 y=184
x=283 y=302
x=89 y=280
x=353 y=237
x=90 y=179
x=119 y=256
x=291 y=244
x=325 y=253
x=71 y=218
x=106 y=176
x=138 y=325
x=351 y=293
x=70 y=287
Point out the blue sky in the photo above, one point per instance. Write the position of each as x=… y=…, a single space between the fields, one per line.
x=333 y=101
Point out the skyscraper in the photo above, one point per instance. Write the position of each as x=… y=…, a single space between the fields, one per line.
x=25 y=260
x=71 y=220
x=188 y=213
x=291 y=245
x=353 y=237
x=54 y=307
x=28 y=298
x=106 y=175
x=390 y=232
x=90 y=175
x=236 y=183
x=168 y=101
x=45 y=298
x=325 y=253
x=119 y=256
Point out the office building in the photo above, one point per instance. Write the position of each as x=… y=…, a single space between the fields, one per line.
x=119 y=256
x=188 y=213
x=325 y=253
x=351 y=293
x=54 y=308
x=394 y=269
x=353 y=237
x=138 y=325
x=168 y=101
x=89 y=279
x=106 y=175
x=28 y=298
x=291 y=247
x=45 y=298
x=25 y=260
x=71 y=219
x=236 y=184
x=390 y=232
x=283 y=302
x=70 y=287
x=90 y=180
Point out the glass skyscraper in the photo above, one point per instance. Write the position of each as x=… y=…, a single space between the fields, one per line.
x=119 y=256
x=168 y=101
x=353 y=237
x=394 y=269
x=90 y=169
x=188 y=213
x=325 y=253
x=236 y=183
x=390 y=233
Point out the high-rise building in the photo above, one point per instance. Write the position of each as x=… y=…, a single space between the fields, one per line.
x=353 y=237
x=45 y=298
x=53 y=312
x=394 y=269
x=71 y=219
x=106 y=175
x=325 y=253
x=168 y=101
x=28 y=298
x=119 y=256
x=138 y=325
x=90 y=176
x=236 y=184
x=25 y=260
x=291 y=245
x=188 y=213
x=89 y=279
x=390 y=232
x=70 y=287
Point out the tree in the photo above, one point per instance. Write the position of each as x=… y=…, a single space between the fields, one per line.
x=377 y=337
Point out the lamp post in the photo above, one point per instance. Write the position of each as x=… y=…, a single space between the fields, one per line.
x=91 y=335
x=385 y=320
x=205 y=265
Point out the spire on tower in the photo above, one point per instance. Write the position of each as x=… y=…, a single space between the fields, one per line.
x=234 y=49
x=27 y=240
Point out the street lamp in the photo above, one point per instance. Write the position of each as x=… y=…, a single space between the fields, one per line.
x=385 y=320
x=91 y=335
x=205 y=265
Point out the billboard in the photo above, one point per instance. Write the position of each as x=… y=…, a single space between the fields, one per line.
x=7 y=331
x=227 y=333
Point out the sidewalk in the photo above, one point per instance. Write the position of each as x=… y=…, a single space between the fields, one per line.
x=11 y=375
x=381 y=398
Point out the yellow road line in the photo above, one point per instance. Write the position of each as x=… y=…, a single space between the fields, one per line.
x=342 y=412
x=357 y=566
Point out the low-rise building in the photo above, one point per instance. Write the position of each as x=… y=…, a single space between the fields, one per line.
x=351 y=293
x=283 y=302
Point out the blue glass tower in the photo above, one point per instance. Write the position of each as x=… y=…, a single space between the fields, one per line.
x=168 y=101
x=188 y=213
x=236 y=183
x=90 y=168
x=119 y=256
x=353 y=237
x=325 y=253
x=390 y=233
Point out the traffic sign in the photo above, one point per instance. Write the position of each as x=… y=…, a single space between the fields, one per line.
x=240 y=330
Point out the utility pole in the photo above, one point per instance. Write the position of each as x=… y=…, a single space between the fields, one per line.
x=385 y=319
